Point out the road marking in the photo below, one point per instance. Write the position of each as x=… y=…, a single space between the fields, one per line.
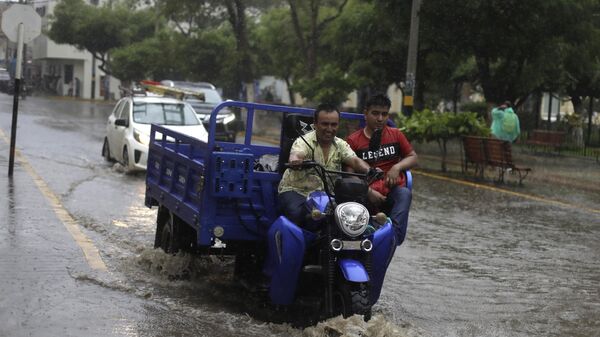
x=495 y=189
x=90 y=251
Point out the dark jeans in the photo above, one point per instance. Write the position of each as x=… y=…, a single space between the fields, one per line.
x=397 y=206
x=292 y=206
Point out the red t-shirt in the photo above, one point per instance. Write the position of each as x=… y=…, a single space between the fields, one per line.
x=394 y=146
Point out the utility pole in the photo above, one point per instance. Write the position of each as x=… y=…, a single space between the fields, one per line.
x=411 y=63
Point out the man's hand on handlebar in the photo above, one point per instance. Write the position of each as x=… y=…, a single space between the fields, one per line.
x=295 y=164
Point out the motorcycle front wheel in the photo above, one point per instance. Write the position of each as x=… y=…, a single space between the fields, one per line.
x=350 y=298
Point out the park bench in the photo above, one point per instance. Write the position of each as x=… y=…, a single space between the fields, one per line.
x=482 y=151
x=547 y=138
x=474 y=151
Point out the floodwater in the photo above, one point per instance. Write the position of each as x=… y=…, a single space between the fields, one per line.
x=492 y=261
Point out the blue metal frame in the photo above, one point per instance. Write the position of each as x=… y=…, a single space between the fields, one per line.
x=212 y=184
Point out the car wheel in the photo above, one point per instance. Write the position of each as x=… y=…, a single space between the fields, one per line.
x=125 y=158
x=106 y=151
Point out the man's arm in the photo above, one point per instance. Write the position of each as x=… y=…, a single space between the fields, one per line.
x=296 y=158
x=404 y=164
x=357 y=164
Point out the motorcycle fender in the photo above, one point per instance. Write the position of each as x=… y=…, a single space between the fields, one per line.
x=353 y=270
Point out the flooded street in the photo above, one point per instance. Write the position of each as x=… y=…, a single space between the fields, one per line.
x=478 y=260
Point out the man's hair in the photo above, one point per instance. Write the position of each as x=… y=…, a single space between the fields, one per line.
x=327 y=107
x=378 y=99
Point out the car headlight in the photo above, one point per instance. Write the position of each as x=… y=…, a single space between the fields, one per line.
x=229 y=118
x=352 y=218
x=141 y=137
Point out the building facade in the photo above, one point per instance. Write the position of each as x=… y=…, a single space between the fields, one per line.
x=64 y=70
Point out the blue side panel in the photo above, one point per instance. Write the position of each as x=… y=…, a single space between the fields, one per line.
x=232 y=174
x=409 y=180
x=175 y=173
x=384 y=246
x=353 y=270
x=287 y=243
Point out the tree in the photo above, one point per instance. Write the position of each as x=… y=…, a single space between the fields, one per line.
x=427 y=126
x=276 y=49
x=513 y=42
x=369 y=41
x=99 y=29
x=309 y=28
x=581 y=49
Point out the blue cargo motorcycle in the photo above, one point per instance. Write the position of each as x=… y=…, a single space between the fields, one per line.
x=220 y=198
x=341 y=254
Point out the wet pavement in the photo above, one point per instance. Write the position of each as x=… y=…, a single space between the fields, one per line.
x=481 y=259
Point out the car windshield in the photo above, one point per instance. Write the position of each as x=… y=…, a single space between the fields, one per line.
x=210 y=96
x=164 y=114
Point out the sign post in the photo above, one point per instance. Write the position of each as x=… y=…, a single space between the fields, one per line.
x=20 y=24
x=411 y=64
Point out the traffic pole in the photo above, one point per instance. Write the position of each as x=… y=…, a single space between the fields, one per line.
x=411 y=64
x=17 y=90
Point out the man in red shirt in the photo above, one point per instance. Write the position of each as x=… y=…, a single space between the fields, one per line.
x=386 y=148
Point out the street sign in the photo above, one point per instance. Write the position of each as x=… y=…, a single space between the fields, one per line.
x=21 y=24
x=21 y=14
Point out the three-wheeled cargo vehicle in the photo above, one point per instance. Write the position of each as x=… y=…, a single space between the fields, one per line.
x=221 y=197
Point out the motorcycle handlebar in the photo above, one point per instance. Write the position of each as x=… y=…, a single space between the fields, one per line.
x=306 y=164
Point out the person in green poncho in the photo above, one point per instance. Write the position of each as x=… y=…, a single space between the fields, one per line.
x=505 y=123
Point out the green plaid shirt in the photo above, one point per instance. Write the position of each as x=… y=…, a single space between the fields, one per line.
x=307 y=181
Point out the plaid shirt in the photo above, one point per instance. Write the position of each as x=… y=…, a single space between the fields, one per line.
x=307 y=181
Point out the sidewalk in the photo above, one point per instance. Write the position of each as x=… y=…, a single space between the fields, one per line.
x=43 y=272
x=566 y=178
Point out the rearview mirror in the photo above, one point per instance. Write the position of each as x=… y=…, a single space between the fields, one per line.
x=121 y=122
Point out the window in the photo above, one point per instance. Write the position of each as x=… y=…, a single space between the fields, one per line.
x=68 y=73
x=41 y=11
x=164 y=114
x=125 y=111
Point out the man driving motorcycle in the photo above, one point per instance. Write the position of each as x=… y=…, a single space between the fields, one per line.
x=322 y=146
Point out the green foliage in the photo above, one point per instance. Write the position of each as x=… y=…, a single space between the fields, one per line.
x=331 y=85
x=369 y=42
x=426 y=125
x=99 y=30
x=277 y=49
x=481 y=108
x=504 y=47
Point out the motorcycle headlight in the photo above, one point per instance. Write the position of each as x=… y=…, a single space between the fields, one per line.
x=352 y=218
x=141 y=137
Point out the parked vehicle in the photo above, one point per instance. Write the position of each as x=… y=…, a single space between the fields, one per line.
x=227 y=125
x=23 y=88
x=220 y=197
x=128 y=127
x=4 y=80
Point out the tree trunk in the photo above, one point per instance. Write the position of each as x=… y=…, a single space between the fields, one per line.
x=288 y=82
x=444 y=152
x=589 y=128
x=236 y=10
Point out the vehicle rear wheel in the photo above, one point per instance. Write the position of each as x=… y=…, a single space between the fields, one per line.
x=106 y=151
x=169 y=237
x=352 y=298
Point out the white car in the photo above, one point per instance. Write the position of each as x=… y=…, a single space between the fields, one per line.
x=128 y=127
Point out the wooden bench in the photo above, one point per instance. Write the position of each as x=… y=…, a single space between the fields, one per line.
x=482 y=151
x=474 y=154
x=546 y=138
